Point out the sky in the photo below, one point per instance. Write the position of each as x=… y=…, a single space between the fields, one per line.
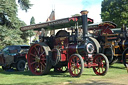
x=41 y=9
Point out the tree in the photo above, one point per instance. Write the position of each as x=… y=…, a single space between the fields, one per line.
x=32 y=21
x=30 y=32
x=10 y=37
x=75 y=15
x=115 y=11
x=24 y=4
x=10 y=33
x=8 y=11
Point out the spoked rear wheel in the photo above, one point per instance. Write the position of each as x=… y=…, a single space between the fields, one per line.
x=38 y=59
x=103 y=64
x=75 y=65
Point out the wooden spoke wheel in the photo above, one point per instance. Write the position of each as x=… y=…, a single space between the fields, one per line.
x=62 y=69
x=38 y=59
x=75 y=65
x=125 y=58
x=103 y=64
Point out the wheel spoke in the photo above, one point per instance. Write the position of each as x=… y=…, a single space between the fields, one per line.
x=33 y=58
x=78 y=70
x=36 y=68
x=42 y=54
x=74 y=71
x=33 y=63
x=33 y=55
x=99 y=70
x=43 y=59
x=102 y=67
x=37 y=60
x=39 y=51
x=42 y=64
x=36 y=50
x=72 y=61
x=76 y=65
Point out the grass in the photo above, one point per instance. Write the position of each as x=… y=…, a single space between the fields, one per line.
x=27 y=78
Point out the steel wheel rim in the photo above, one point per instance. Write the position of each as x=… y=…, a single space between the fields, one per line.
x=101 y=68
x=74 y=66
x=37 y=59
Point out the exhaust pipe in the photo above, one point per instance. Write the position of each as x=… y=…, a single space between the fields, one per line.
x=84 y=23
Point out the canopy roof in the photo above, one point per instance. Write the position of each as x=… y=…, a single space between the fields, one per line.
x=56 y=24
x=102 y=25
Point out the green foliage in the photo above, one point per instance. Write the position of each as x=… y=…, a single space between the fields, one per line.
x=32 y=21
x=31 y=32
x=24 y=4
x=75 y=15
x=8 y=10
x=10 y=33
x=10 y=36
x=115 y=11
x=27 y=34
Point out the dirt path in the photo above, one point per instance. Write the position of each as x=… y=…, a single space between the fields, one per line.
x=123 y=80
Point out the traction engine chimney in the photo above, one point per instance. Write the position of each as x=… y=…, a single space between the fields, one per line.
x=84 y=23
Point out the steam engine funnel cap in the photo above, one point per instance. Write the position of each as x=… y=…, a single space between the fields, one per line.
x=84 y=12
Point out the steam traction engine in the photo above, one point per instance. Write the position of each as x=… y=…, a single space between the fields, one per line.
x=113 y=41
x=66 y=51
x=116 y=46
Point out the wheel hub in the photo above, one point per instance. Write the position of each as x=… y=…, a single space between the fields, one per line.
x=37 y=59
x=75 y=66
x=101 y=64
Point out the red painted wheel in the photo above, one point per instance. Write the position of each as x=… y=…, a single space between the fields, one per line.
x=62 y=69
x=125 y=58
x=38 y=59
x=103 y=64
x=75 y=65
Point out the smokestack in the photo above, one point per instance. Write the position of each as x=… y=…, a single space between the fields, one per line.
x=84 y=23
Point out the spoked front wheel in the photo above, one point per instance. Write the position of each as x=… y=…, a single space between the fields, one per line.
x=102 y=64
x=38 y=59
x=75 y=65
